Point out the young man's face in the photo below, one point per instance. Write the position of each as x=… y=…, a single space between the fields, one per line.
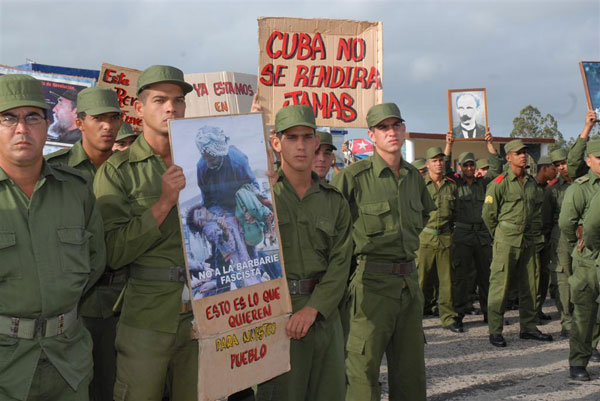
x=123 y=143
x=481 y=172
x=468 y=169
x=99 y=132
x=548 y=172
x=593 y=163
x=436 y=164
x=23 y=144
x=158 y=104
x=296 y=146
x=388 y=135
x=561 y=167
x=518 y=158
x=324 y=156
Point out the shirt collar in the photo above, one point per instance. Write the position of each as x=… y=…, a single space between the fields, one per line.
x=78 y=153
x=140 y=149
x=379 y=165
x=47 y=170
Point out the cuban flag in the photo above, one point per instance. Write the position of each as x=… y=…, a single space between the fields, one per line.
x=361 y=148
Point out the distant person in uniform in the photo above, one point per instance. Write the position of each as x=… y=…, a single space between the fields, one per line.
x=125 y=138
x=420 y=165
x=468 y=108
x=324 y=156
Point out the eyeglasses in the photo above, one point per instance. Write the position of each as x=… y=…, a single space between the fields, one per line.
x=385 y=127
x=9 y=120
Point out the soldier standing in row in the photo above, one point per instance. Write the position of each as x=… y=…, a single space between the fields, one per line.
x=137 y=191
x=512 y=213
x=315 y=226
x=389 y=204
x=99 y=120
x=52 y=251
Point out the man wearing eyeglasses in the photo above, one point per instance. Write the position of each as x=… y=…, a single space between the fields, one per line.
x=51 y=250
x=512 y=213
x=390 y=205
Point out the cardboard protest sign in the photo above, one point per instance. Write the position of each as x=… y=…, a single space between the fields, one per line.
x=219 y=93
x=60 y=92
x=240 y=297
x=123 y=80
x=333 y=66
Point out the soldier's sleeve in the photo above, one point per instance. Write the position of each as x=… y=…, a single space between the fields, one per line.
x=576 y=166
x=127 y=236
x=571 y=211
x=591 y=224
x=491 y=206
x=448 y=171
x=548 y=208
x=328 y=293
x=95 y=226
x=428 y=203
x=495 y=168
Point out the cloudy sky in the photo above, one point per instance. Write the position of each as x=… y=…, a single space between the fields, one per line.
x=523 y=52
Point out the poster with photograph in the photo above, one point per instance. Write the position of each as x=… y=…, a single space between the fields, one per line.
x=60 y=92
x=219 y=93
x=123 y=81
x=333 y=66
x=590 y=72
x=240 y=297
x=467 y=113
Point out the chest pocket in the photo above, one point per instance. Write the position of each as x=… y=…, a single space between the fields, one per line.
x=74 y=249
x=375 y=216
x=447 y=204
x=9 y=255
x=325 y=230
x=285 y=230
x=416 y=213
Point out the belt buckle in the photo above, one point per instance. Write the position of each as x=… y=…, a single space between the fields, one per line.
x=293 y=287
x=39 y=327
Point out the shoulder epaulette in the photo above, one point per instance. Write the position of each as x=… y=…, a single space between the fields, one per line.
x=118 y=158
x=582 y=179
x=499 y=179
x=359 y=166
x=551 y=183
x=450 y=179
x=63 y=168
x=58 y=153
x=328 y=186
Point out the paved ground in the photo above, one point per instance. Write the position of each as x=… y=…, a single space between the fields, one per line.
x=467 y=367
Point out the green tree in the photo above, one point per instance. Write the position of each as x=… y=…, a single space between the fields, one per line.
x=531 y=124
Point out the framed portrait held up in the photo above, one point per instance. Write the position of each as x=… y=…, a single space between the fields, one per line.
x=467 y=113
x=590 y=72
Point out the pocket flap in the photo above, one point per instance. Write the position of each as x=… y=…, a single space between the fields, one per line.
x=326 y=226
x=356 y=345
x=375 y=208
x=75 y=235
x=7 y=239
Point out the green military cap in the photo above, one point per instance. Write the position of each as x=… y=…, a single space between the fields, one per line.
x=125 y=132
x=558 y=155
x=162 y=73
x=466 y=157
x=17 y=90
x=292 y=116
x=593 y=148
x=433 y=152
x=419 y=164
x=95 y=101
x=482 y=163
x=326 y=139
x=544 y=160
x=514 y=146
x=69 y=94
x=380 y=112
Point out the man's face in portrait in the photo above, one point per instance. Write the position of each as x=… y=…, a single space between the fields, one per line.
x=466 y=107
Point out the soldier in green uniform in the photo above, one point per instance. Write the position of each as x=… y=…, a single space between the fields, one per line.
x=583 y=282
x=389 y=204
x=512 y=213
x=52 y=251
x=546 y=172
x=324 y=157
x=98 y=119
x=434 y=259
x=471 y=241
x=137 y=191
x=315 y=227
x=420 y=165
x=125 y=138
x=558 y=246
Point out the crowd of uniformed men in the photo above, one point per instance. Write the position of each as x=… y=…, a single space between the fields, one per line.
x=92 y=300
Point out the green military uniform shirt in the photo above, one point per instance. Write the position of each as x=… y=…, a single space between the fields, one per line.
x=388 y=214
x=126 y=186
x=591 y=225
x=316 y=241
x=512 y=211
x=576 y=165
x=440 y=220
x=52 y=251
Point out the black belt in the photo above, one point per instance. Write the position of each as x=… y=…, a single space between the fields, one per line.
x=157 y=273
x=471 y=227
x=302 y=287
x=113 y=277
x=401 y=268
